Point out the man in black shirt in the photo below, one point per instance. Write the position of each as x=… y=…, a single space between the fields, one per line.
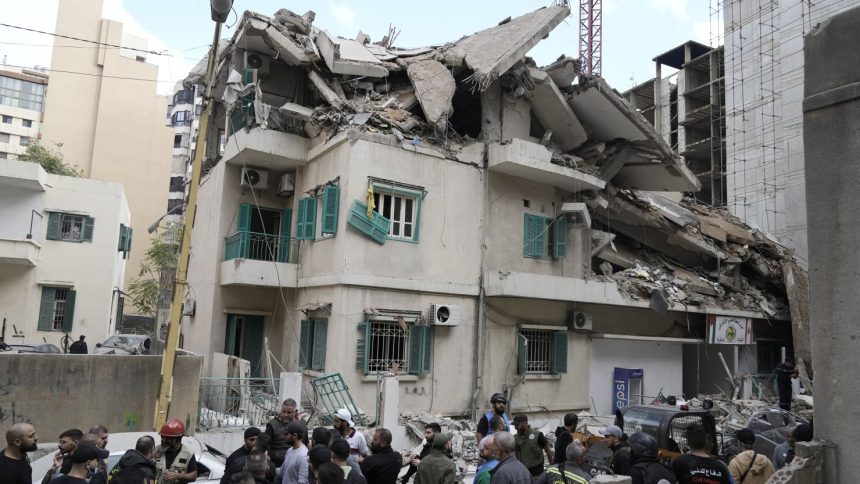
x=499 y=404
x=236 y=460
x=564 y=437
x=784 y=372
x=430 y=432
x=84 y=461
x=79 y=347
x=14 y=464
x=383 y=466
x=698 y=467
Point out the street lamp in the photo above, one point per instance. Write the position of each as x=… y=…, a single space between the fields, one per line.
x=152 y=228
x=220 y=10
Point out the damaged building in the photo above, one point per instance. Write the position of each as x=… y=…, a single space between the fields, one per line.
x=467 y=220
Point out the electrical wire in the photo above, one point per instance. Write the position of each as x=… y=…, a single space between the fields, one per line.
x=83 y=40
x=143 y=79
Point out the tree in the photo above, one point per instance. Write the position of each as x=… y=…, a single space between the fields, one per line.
x=51 y=160
x=160 y=259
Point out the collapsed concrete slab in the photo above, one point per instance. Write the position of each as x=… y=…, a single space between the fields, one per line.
x=531 y=161
x=549 y=105
x=492 y=52
x=346 y=56
x=434 y=88
x=563 y=71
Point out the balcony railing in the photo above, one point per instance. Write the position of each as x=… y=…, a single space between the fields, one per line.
x=257 y=246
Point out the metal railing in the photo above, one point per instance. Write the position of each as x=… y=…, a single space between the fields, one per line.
x=237 y=402
x=257 y=246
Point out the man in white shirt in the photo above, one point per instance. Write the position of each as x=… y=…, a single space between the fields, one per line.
x=295 y=468
x=357 y=442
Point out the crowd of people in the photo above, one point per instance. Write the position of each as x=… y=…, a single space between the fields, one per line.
x=285 y=452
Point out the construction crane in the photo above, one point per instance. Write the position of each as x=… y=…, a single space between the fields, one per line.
x=591 y=36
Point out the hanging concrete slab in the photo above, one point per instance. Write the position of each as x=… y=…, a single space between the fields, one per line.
x=434 y=87
x=531 y=161
x=346 y=56
x=563 y=71
x=550 y=107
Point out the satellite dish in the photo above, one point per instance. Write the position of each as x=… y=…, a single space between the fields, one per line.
x=254 y=61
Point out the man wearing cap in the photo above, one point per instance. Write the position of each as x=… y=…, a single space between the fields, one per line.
x=620 y=462
x=749 y=467
x=531 y=444
x=236 y=460
x=346 y=427
x=438 y=468
x=99 y=475
x=276 y=430
x=499 y=404
x=295 y=468
x=84 y=461
x=383 y=465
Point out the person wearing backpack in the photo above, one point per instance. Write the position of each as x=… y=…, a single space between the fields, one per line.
x=749 y=467
x=645 y=465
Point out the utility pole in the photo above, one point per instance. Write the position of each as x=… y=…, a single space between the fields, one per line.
x=220 y=9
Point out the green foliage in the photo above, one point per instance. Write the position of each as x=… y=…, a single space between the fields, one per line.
x=51 y=160
x=161 y=256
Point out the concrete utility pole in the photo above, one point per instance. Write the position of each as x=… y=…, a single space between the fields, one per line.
x=831 y=116
x=220 y=10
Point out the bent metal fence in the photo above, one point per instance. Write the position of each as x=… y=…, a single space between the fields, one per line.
x=236 y=402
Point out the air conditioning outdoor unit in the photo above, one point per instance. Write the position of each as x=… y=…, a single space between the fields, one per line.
x=255 y=178
x=580 y=322
x=287 y=185
x=258 y=62
x=188 y=307
x=444 y=314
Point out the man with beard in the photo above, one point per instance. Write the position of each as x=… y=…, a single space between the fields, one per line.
x=383 y=465
x=276 y=430
x=499 y=403
x=357 y=443
x=430 y=431
x=236 y=460
x=68 y=442
x=176 y=464
x=14 y=464
x=295 y=468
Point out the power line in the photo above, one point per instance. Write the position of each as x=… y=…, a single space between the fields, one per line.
x=82 y=40
x=95 y=75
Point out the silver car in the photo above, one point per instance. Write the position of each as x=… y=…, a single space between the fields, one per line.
x=210 y=461
x=125 y=344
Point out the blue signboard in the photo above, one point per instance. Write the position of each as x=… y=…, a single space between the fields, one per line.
x=621 y=386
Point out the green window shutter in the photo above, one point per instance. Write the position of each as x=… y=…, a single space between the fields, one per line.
x=541 y=227
x=230 y=337
x=559 y=242
x=559 y=352
x=68 y=317
x=319 y=344
x=528 y=236
x=300 y=219
x=534 y=236
x=375 y=228
x=331 y=205
x=46 y=308
x=416 y=349
x=306 y=220
x=521 y=354
x=286 y=229
x=244 y=217
x=120 y=309
x=362 y=348
x=122 y=238
x=128 y=237
x=427 y=363
x=252 y=342
x=55 y=222
x=305 y=338
x=89 y=227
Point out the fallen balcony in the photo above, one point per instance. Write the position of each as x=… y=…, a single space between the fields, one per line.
x=257 y=259
x=531 y=161
x=19 y=252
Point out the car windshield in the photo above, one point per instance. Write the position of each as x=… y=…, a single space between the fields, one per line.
x=120 y=341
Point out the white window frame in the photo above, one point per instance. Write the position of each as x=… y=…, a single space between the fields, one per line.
x=387 y=199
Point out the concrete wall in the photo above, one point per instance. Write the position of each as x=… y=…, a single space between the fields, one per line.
x=93 y=269
x=111 y=127
x=764 y=90
x=662 y=364
x=58 y=392
x=17 y=130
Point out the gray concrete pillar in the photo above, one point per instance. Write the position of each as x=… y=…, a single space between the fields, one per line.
x=830 y=121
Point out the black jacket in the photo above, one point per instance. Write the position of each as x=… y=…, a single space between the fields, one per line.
x=133 y=458
x=235 y=463
x=621 y=459
x=425 y=451
x=562 y=440
x=382 y=467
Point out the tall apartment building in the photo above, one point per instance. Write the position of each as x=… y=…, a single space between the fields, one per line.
x=183 y=116
x=103 y=109
x=63 y=248
x=22 y=102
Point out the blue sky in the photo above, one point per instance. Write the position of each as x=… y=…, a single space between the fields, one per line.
x=634 y=30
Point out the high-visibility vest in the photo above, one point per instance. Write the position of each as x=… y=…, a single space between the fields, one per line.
x=179 y=464
x=554 y=476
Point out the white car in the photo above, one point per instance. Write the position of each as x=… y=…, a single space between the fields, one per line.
x=210 y=461
x=125 y=344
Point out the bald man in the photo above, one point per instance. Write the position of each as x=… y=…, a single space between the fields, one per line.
x=14 y=464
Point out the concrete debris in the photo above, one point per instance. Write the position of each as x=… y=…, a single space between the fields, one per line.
x=549 y=105
x=434 y=87
x=346 y=56
x=563 y=71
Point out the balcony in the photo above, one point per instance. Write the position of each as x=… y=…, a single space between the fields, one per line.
x=19 y=252
x=531 y=161
x=266 y=148
x=257 y=259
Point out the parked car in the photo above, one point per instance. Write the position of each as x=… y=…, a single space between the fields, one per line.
x=125 y=344
x=210 y=461
x=770 y=424
x=37 y=348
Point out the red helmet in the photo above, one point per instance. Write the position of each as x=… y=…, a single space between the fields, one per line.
x=172 y=428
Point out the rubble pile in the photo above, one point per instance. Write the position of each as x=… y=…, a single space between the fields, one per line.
x=463 y=445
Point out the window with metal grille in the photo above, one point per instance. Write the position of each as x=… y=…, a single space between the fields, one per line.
x=401 y=209
x=72 y=228
x=538 y=344
x=388 y=347
x=59 y=316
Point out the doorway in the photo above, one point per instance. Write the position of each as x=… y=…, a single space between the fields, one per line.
x=244 y=339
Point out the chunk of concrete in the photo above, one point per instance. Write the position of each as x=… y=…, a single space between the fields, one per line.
x=287 y=49
x=551 y=108
x=346 y=56
x=732 y=231
x=293 y=22
x=563 y=71
x=434 y=87
x=324 y=89
x=492 y=52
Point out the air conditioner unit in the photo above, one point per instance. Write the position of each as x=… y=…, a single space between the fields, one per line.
x=444 y=314
x=258 y=62
x=188 y=307
x=255 y=178
x=287 y=185
x=580 y=322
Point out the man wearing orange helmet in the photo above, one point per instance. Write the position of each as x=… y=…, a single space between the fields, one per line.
x=175 y=462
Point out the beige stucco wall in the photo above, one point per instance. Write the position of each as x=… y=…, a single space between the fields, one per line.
x=58 y=392
x=93 y=269
x=109 y=125
x=16 y=130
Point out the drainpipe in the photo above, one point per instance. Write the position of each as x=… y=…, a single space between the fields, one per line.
x=481 y=326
